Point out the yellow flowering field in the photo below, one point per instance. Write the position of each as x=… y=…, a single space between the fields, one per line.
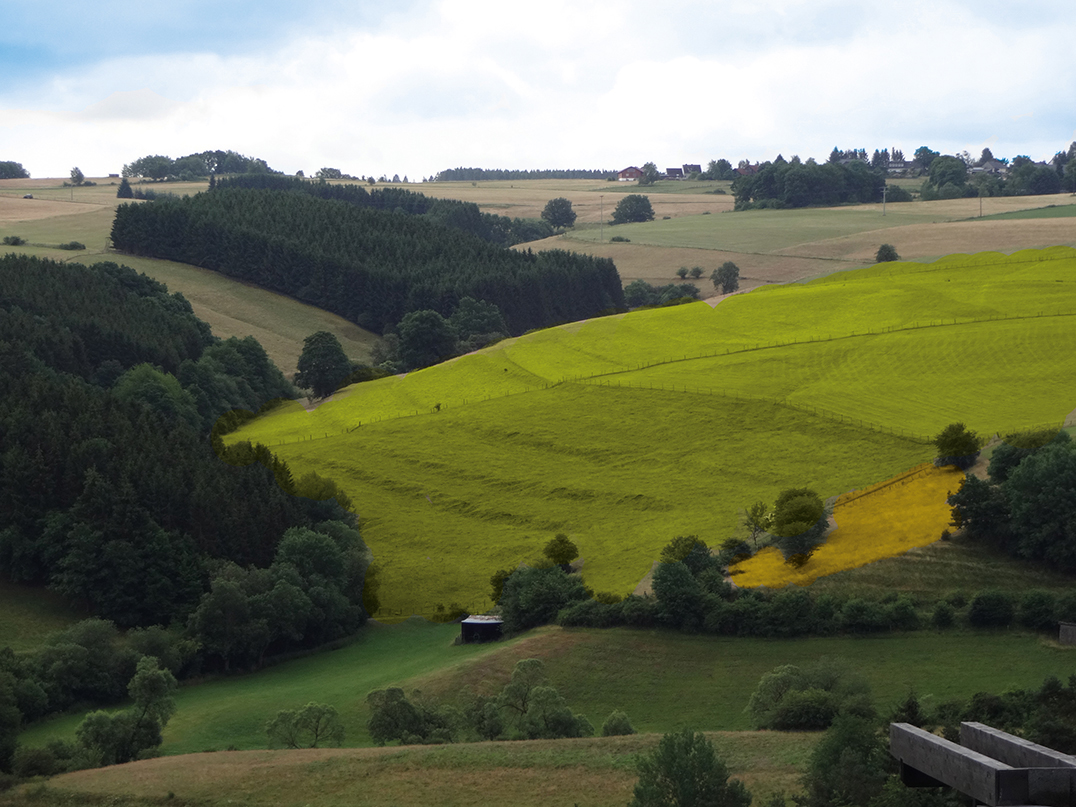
x=907 y=511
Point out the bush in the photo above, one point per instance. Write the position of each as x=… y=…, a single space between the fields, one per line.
x=617 y=724
x=534 y=596
x=805 y=710
x=1038 y=610
x=943 y=615
x=71 y=245
x=621 y=239
x=902 y=614
x=991 y=609
x=685 y=770
x=886 y=253
x=30 y=762
x=13 y=241
x=863 y=616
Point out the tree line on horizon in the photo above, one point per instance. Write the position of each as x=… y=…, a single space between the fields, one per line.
x=369 y=265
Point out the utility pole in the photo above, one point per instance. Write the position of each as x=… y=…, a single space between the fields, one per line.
x=601 y=221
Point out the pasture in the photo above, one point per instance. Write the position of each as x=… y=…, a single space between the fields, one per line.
x=664 y=681
x=626 y=431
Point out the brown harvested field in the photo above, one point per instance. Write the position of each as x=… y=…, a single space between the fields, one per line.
x=593 y=771
x=15 y=208
x=931 y=241
x=526 y=199
x=658 y=265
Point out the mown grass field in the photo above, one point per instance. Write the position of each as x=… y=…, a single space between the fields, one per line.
x=598 y=772
x=626 y=431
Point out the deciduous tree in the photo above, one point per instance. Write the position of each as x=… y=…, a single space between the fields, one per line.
x=633 y=207
x=558 y=212
x=726 y=277
x=322 y=364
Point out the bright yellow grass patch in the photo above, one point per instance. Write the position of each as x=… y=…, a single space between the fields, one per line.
x=908 y=511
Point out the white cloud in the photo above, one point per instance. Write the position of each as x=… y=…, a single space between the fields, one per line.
x=563 y=84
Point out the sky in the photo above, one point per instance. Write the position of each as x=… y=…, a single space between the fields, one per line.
x=413 y=87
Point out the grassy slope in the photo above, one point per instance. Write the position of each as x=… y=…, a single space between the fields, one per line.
x=773 y=389
x=30 y=613
x=598 y=772
x=664 y=681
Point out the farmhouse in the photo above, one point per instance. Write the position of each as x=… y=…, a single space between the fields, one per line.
x=630 y=174
x=674 y=173
x=692 y=169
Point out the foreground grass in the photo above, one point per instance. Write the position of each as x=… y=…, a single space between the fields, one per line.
x=598 y=772
x=665 y=681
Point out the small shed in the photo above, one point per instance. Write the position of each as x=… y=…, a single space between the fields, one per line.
x=481 y=628
x=1068 y=633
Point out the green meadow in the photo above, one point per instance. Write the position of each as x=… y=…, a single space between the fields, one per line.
x=626 y=431
x=665 y=681
x=1048 y=212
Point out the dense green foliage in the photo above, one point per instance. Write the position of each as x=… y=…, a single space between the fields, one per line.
x=313 y=725
x=726 y=277
x=453 y=213
x=322 y=365
x=12 y=170
x=1028 y=507
x=370 y=266
x=790 y=698
x=528 y=707
x=685 y=771
x=194 y=166
x=111 y=493
x=477 y=174
x=886 y=252
x=558 y=212
x=783 y=183
x=633 y=207
x=640 y=293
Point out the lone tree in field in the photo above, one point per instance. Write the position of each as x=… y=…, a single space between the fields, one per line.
x=685 y=771
x=886 y=253
x=633 y=207
x=124 y=191
x=77 y=177
x=799 y=522
x=558 y=212
x=561 y=550
x=322 y=365
x=957 y=445
x=726 y=277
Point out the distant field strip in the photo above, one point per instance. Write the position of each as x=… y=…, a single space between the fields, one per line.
x=471 y=466
x=884 y=521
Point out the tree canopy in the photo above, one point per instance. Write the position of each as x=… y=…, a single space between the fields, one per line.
x=685 y=771
x=633 y=207
x=322 y=365
x=558 y=212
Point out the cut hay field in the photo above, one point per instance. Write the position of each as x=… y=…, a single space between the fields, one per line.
x=626 y=431
x=59 y=215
